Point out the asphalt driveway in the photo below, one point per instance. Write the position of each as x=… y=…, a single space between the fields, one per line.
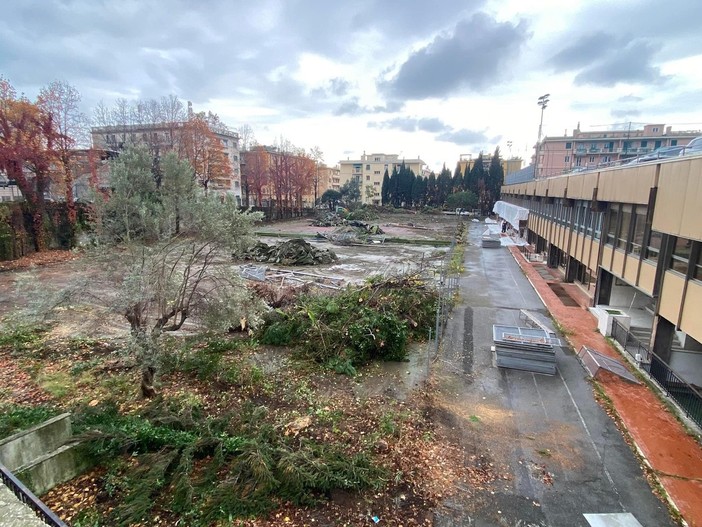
x=548 y=450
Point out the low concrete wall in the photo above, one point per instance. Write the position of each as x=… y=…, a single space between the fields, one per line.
x=44 y=456
x=24 y=447
x=58 y=466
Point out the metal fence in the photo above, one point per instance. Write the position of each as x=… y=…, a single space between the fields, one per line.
x=688 y=397
x=633 y=346
x=27 y=497
x=448 y=276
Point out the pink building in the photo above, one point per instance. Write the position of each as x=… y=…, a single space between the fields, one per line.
x=584 y=150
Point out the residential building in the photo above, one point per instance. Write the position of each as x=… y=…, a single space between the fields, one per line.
x=631 y=238
x=561 y=154
x=369 y=172
x=162 y=137
x=509 y=166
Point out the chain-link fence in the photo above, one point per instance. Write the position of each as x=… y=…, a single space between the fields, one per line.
x=448 y=275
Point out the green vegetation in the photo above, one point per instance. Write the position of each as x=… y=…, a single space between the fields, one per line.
x=372 y=322
x=207 y=468
x=14 y=418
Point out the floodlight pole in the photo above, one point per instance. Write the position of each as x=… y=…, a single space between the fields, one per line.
x=543 y=102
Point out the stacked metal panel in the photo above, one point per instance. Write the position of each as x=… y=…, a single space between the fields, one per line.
x=529 y=349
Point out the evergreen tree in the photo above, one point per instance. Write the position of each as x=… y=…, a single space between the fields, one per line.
x=477 y=174
x=385 y=189
x=431 y=191
x=394 y=182
x=457 y=182
x=444 y=184
x=495 y=178
x=419 y=189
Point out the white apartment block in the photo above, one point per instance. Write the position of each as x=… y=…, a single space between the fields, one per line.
x=369 y=171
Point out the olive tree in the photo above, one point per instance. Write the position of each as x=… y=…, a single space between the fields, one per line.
x=175 y=245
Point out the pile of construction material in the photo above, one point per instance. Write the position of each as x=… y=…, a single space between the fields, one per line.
x=529 y=349
x=330 y=219
x=292 y=252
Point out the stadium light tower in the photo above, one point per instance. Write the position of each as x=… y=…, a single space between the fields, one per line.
x=543 y=102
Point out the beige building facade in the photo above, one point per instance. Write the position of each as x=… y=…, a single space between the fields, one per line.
x=163 y=137
x=631 y=237
x=509 y=166
x=586 y=150
x=369 y=172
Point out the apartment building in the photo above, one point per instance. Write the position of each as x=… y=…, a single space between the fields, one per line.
x=162 y=137
x=629 y=236
x=561 y=154
x=369 y=172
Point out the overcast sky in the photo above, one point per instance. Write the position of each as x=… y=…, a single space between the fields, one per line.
x=428 y=78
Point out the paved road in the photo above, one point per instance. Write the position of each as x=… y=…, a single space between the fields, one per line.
x=553 y=452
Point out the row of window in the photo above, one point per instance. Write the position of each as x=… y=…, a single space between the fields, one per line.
x=626 y=231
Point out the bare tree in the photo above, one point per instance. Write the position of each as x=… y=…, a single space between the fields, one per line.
x=102 y=115
x=246 y=137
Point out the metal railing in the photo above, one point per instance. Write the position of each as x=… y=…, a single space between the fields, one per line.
x=688 y=397
x=633 y=346
x=27 y=497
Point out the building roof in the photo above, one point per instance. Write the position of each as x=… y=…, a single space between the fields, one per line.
x=520 y=176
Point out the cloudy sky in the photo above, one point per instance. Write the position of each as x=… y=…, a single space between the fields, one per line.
x=428 y=78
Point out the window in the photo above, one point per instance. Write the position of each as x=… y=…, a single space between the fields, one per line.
x=606 y=159
x=592 y=159
x=577 y=161
x=673 y=142
x=624 y=223
x=569 y=146
x=681 y=255
x=655 y=129
x=367 y=178
x=367 y=167
x=697 y=271
x=376 y=183
x=612 y=225
x=376 y=172
x=597 y=222
x=639 y=227
x=567 y=159
x=376 y=159
x=644 y=144
x=653 y=249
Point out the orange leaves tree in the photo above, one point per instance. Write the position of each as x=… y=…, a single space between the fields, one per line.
x=256 y=173
x=205 y=152
x=28 y=141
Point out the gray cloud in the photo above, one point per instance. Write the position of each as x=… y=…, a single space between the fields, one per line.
x=441 y=131
x=606 y=59
x=471 y=57
x=353 y=107
x=463 y=137
x=412 y=124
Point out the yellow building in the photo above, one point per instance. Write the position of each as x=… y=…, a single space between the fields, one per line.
x=631 y=237
x=369 y=172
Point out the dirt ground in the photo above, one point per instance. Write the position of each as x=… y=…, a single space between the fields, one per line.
x=513 y=448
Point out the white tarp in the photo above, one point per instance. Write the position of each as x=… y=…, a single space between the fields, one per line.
x=512 y=213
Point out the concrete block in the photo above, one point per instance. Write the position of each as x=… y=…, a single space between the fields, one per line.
x=24 y=447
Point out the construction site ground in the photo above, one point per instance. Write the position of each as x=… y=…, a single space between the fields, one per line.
x=542 y=449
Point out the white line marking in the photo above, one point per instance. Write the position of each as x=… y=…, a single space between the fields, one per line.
x=592 y=442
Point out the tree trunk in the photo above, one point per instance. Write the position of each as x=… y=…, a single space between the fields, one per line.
x=147 y=382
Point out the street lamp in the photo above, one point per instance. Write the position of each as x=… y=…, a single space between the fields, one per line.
x=543 y=102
